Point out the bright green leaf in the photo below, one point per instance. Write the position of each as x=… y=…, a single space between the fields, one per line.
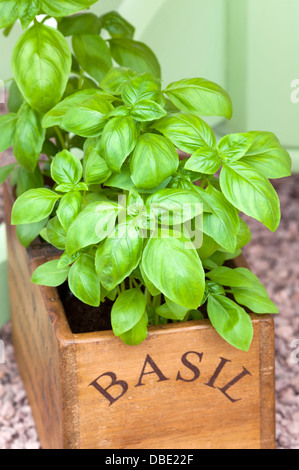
x=5 y=172
x=137 y=334
x=186 y=131
x=59 y=8
x=230 y=321
x=268 y=156
x=91 y=226
x=28 y=138
x=232 y=147
x=118 y=139
x=251 y=193
x=66 y=168
x=48 y=274
x=41 y=64
x=147 y=110
x=69 y=207
x=92 y=54
x=28 y=232
x=154 y=159
x=204 y=160
x=127 y=310
x=173 y=266
x=33 y=206
x=84 y=282
x=118 y=255
x=200 y=96
x=7 y=130
x=134 y=55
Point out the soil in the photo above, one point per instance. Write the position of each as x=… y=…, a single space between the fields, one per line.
x=81 y=317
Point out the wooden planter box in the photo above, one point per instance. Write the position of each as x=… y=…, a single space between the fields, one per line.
x=183 y=388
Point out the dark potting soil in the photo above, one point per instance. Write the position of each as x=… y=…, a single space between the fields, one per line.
x=83 y=318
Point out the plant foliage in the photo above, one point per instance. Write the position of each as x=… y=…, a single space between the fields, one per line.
x=106 y=98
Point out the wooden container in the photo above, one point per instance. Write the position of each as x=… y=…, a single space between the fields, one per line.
x=183 y=388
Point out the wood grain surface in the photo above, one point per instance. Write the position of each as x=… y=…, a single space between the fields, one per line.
x=183 y=388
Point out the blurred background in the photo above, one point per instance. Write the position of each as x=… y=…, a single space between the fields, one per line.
x=250 y=48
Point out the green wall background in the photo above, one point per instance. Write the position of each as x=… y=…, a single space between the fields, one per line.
x=250 y=47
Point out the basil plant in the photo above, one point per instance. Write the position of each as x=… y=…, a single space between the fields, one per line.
x=150 y=212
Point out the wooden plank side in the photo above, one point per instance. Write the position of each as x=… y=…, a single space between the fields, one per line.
x=34 y=343
x=267 y=382
x=42 y=342
x=160 y=408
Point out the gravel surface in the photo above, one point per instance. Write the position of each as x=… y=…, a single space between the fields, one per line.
x=274 y=258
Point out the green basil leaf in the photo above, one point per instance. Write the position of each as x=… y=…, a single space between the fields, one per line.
x=148 y=284
x=118 y=139
x=41 y=64
x=186 y=131
x=9 y=12
x=15 y=98
x=244 y=235
x=254 y=295
x=69 y=207
x=139 y=88
x=127 y=310
x=208 y=247
x=5 y=172
x=204 y=160
x=33 y=206
x=29 y=137
x=92 y=54
x=55 y=233
x=115 y=79
x=59 y=8
x=28 y=232
x=84 y=282
x=256 y=301
x=173 y=266
x=267 y=156
x=7 y=130
x=137 y=334
x=251 y=193
x=91 y=226
x=66 y=168
x=121 y=180
x=232 y=147
x=81 y=100
x=84 y=23
x=89 y=117
x=154 y=159
x=230 y=321
x=230 y=277
x=28 y=9
x=175 y=205
x=172 y=310
x=48 y=274
x=27 y=180
x=117 y=26
x=118 y=255
x=223 y=223
x=135 y=55
x=147 y=110
x=200 y=96
x=95 y=169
